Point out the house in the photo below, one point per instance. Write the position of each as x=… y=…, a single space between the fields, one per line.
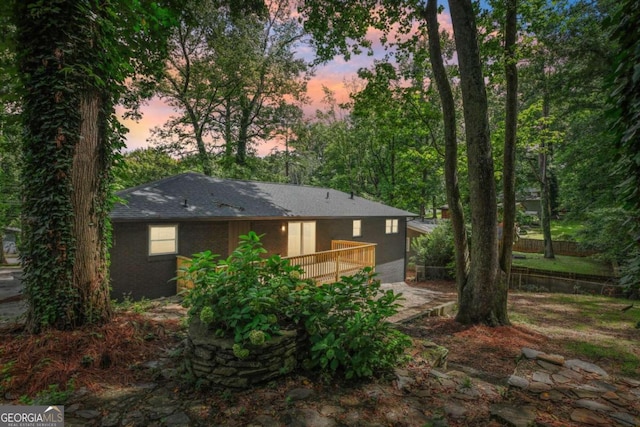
x=189 y=213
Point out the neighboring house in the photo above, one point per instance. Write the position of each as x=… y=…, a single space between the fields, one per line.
x=190 y=213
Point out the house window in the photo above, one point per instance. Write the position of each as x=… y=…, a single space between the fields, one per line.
x=302 y=238
x=391 y=226
x=357 y=227
x=163 y=239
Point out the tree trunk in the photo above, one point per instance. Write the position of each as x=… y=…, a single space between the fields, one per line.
x=90 y=270
x=545 y=187
x=451 y=146
x=483 y=298
x=66 y=172
x=3 y=259
x=509 y=160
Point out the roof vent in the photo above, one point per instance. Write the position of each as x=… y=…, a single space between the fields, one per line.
x=327 y=195
x=351 y=197
x=185 y=204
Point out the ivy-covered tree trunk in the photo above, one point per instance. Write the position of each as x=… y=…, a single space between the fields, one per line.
x=66 y=163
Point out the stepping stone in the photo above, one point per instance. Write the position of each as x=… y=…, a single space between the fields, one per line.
x=592 y=405
x=542 y=377
x=586 y=416
x=604 y=386
x=517 y=381
x=538 y=387
x=551 y=367
x=577 y=364
x=454 y=410
x=576 y=376
x=561 y=379
x=552 y=358
x=625 y=419
x=178 y=419
x=516 y=416
x=530 y=353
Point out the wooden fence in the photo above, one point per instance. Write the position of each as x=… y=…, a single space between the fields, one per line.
x=560 y=247
x=345 y=258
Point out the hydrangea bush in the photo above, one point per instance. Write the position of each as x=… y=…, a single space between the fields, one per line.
x=250 y=298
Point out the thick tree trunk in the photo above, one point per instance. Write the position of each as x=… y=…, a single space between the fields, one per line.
x=90 y=271
x=451 y=146
x=509 y=159
x=483 y=298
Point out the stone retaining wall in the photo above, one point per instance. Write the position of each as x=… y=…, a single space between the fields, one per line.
x=211 y=359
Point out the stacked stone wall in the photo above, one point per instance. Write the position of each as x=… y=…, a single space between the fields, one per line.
x=212 y=361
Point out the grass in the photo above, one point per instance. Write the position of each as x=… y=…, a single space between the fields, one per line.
x=592 y=327
x=562 y=263
x=560 y=230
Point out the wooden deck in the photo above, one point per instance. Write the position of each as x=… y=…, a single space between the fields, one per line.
x=344 y=259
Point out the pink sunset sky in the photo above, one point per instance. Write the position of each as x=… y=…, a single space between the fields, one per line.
x=333 y=75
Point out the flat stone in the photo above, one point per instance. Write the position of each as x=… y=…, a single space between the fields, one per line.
x=438 y=374
x=555 y=395
x=585 y=391
x=517 y=381
x=542 y=377
x=577 y=364
x=454 y=410
x=551 y=367
x=625 y=419
x=603 y=385
x=555 y=359
x=592 y=405
x=560 y=379
x=586 y=416
x=612 y=397
x=299 y=394
x=630 y=381
x=530 y=353
x=311 y=417
x=576 y=376
x=87 y=414
x=178 y=419
x=516 y=416
x=331 y=410
x=538 y=387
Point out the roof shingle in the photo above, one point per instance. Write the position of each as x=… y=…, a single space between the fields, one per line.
x=196 y=196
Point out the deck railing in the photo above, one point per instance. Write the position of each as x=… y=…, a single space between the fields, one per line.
x=345 y=258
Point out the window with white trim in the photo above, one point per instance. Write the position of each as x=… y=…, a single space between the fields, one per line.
x=357 y=228
x=163 y=239
x=391 y=226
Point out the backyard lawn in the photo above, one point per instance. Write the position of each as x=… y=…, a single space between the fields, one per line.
x=561 y=263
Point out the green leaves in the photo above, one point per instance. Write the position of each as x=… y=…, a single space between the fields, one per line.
x=251 y=299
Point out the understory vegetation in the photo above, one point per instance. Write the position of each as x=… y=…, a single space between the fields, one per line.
x=250 y=299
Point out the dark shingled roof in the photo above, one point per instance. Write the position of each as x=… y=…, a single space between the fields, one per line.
x=196 y=196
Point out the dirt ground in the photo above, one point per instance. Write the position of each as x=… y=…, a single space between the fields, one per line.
x=110 y=352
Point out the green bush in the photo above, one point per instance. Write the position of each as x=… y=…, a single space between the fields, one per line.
x=246 y=297
x=348 y=330
x=435 y=249
x=249 y=298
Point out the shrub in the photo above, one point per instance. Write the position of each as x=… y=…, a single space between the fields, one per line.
x=245 y=297
x=435 y=248
x=348 y=330
x=249 y=298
